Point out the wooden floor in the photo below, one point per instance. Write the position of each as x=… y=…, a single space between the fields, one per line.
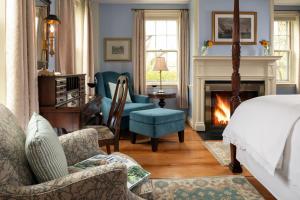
x=181 y=160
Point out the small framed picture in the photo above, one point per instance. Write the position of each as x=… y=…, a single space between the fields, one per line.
x=222 y=27
x=117 y=49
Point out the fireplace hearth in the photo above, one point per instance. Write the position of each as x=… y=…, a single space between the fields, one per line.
x=217 y=103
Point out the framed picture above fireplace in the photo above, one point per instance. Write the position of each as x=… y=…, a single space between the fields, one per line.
x=222 y=26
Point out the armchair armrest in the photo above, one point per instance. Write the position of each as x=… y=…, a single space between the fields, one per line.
x=103 y=182
x=105 y=108
x=80 y=145
x=141 y=99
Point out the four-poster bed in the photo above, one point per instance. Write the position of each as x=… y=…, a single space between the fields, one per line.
x=235 y=166
x=264 y=133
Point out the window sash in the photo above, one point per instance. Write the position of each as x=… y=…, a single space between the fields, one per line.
x=167 y=36
x=155 y=16
x=289 y=35
x=288 y=51
x=163 y=51
x=288 y=72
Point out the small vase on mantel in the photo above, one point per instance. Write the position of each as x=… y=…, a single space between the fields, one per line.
x=204 y=51
x=266 y=45
x=266 y=51
x=207 y=44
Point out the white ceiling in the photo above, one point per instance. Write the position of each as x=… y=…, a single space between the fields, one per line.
x=277 y=2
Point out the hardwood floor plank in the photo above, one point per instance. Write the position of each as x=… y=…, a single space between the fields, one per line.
x=181 y=160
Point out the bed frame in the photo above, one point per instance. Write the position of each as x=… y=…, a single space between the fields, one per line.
x=235 y=165
x=275 y=184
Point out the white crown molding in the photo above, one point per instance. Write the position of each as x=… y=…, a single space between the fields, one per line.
x=144 y=1
x=287 y=2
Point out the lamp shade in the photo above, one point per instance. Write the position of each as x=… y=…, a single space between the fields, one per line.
x=160 y=64
x=52 y=19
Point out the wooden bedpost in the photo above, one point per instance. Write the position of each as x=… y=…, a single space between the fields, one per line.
x=235 y=165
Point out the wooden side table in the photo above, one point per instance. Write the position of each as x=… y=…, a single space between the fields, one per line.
x=162 y=97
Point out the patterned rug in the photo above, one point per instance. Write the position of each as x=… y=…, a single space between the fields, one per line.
x=220 y=151
x=205 y=188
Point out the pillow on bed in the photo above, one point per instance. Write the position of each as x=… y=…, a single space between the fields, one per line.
x=44 y=152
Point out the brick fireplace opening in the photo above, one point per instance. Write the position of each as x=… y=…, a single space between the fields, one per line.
x=217 y=103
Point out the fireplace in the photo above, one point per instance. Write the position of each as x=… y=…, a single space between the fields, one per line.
x=257 y=72
x=217 y=102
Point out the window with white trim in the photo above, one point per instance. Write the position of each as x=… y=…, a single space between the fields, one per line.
x=282 y=47
x=162 y=40
x=286 y=37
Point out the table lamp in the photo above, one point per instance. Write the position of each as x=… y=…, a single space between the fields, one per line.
x=160 y=65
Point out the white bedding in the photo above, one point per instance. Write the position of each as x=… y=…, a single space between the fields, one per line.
x=278 y=185
x=268 y=129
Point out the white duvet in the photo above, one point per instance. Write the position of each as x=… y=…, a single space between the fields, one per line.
x=268 y=128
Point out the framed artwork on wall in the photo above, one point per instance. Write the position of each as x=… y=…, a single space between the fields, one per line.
x=222 y=26
x=117 y=49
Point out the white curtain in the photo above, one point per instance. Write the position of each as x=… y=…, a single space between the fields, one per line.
x=75 y=40
x=65 y=43
x=139 y=71
x=21 y=69
x=2 y=53
x=84 y=29
x=182 y=97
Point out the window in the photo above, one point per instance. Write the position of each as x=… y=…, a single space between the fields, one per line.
x=282 y=47
x=162 y=40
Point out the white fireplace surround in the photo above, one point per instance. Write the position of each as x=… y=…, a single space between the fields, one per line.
x=219 y=68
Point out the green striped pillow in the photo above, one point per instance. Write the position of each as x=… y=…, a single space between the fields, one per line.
x=44 y=152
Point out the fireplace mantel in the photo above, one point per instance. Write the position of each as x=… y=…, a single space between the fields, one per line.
x=219 y=68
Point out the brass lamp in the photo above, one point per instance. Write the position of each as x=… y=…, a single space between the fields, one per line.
x=51 y=21
x=160 y=65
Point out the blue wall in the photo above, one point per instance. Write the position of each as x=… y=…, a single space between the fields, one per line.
x=286 y=89
x=192 y=46
x=286 y=8
x=262 y=8
x=116 y=20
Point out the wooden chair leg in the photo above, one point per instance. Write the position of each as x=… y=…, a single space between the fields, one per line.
x=116 y=146
x=108 y=149
x=133 y=138
x=181 y=136
x=154 y=144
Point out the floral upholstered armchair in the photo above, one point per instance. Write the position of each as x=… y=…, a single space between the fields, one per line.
x=17 y=180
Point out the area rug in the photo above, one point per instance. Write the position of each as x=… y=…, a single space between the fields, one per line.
x=220 y=151
x=205 y=188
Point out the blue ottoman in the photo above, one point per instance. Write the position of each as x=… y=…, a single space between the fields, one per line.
x=156 y=123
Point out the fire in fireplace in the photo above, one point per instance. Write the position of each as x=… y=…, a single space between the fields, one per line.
x=217 y=102
x=221 y=111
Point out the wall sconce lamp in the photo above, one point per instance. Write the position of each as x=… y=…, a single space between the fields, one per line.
x=52 y=21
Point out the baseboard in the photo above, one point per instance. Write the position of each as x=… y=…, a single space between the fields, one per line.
x=199 y=126
x=190 y=121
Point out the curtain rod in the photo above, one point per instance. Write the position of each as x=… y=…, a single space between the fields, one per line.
x=134 y=9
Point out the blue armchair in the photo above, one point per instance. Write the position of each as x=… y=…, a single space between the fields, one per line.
x=139 y=102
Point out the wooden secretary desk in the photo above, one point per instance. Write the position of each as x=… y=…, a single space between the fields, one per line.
x=62 y=99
